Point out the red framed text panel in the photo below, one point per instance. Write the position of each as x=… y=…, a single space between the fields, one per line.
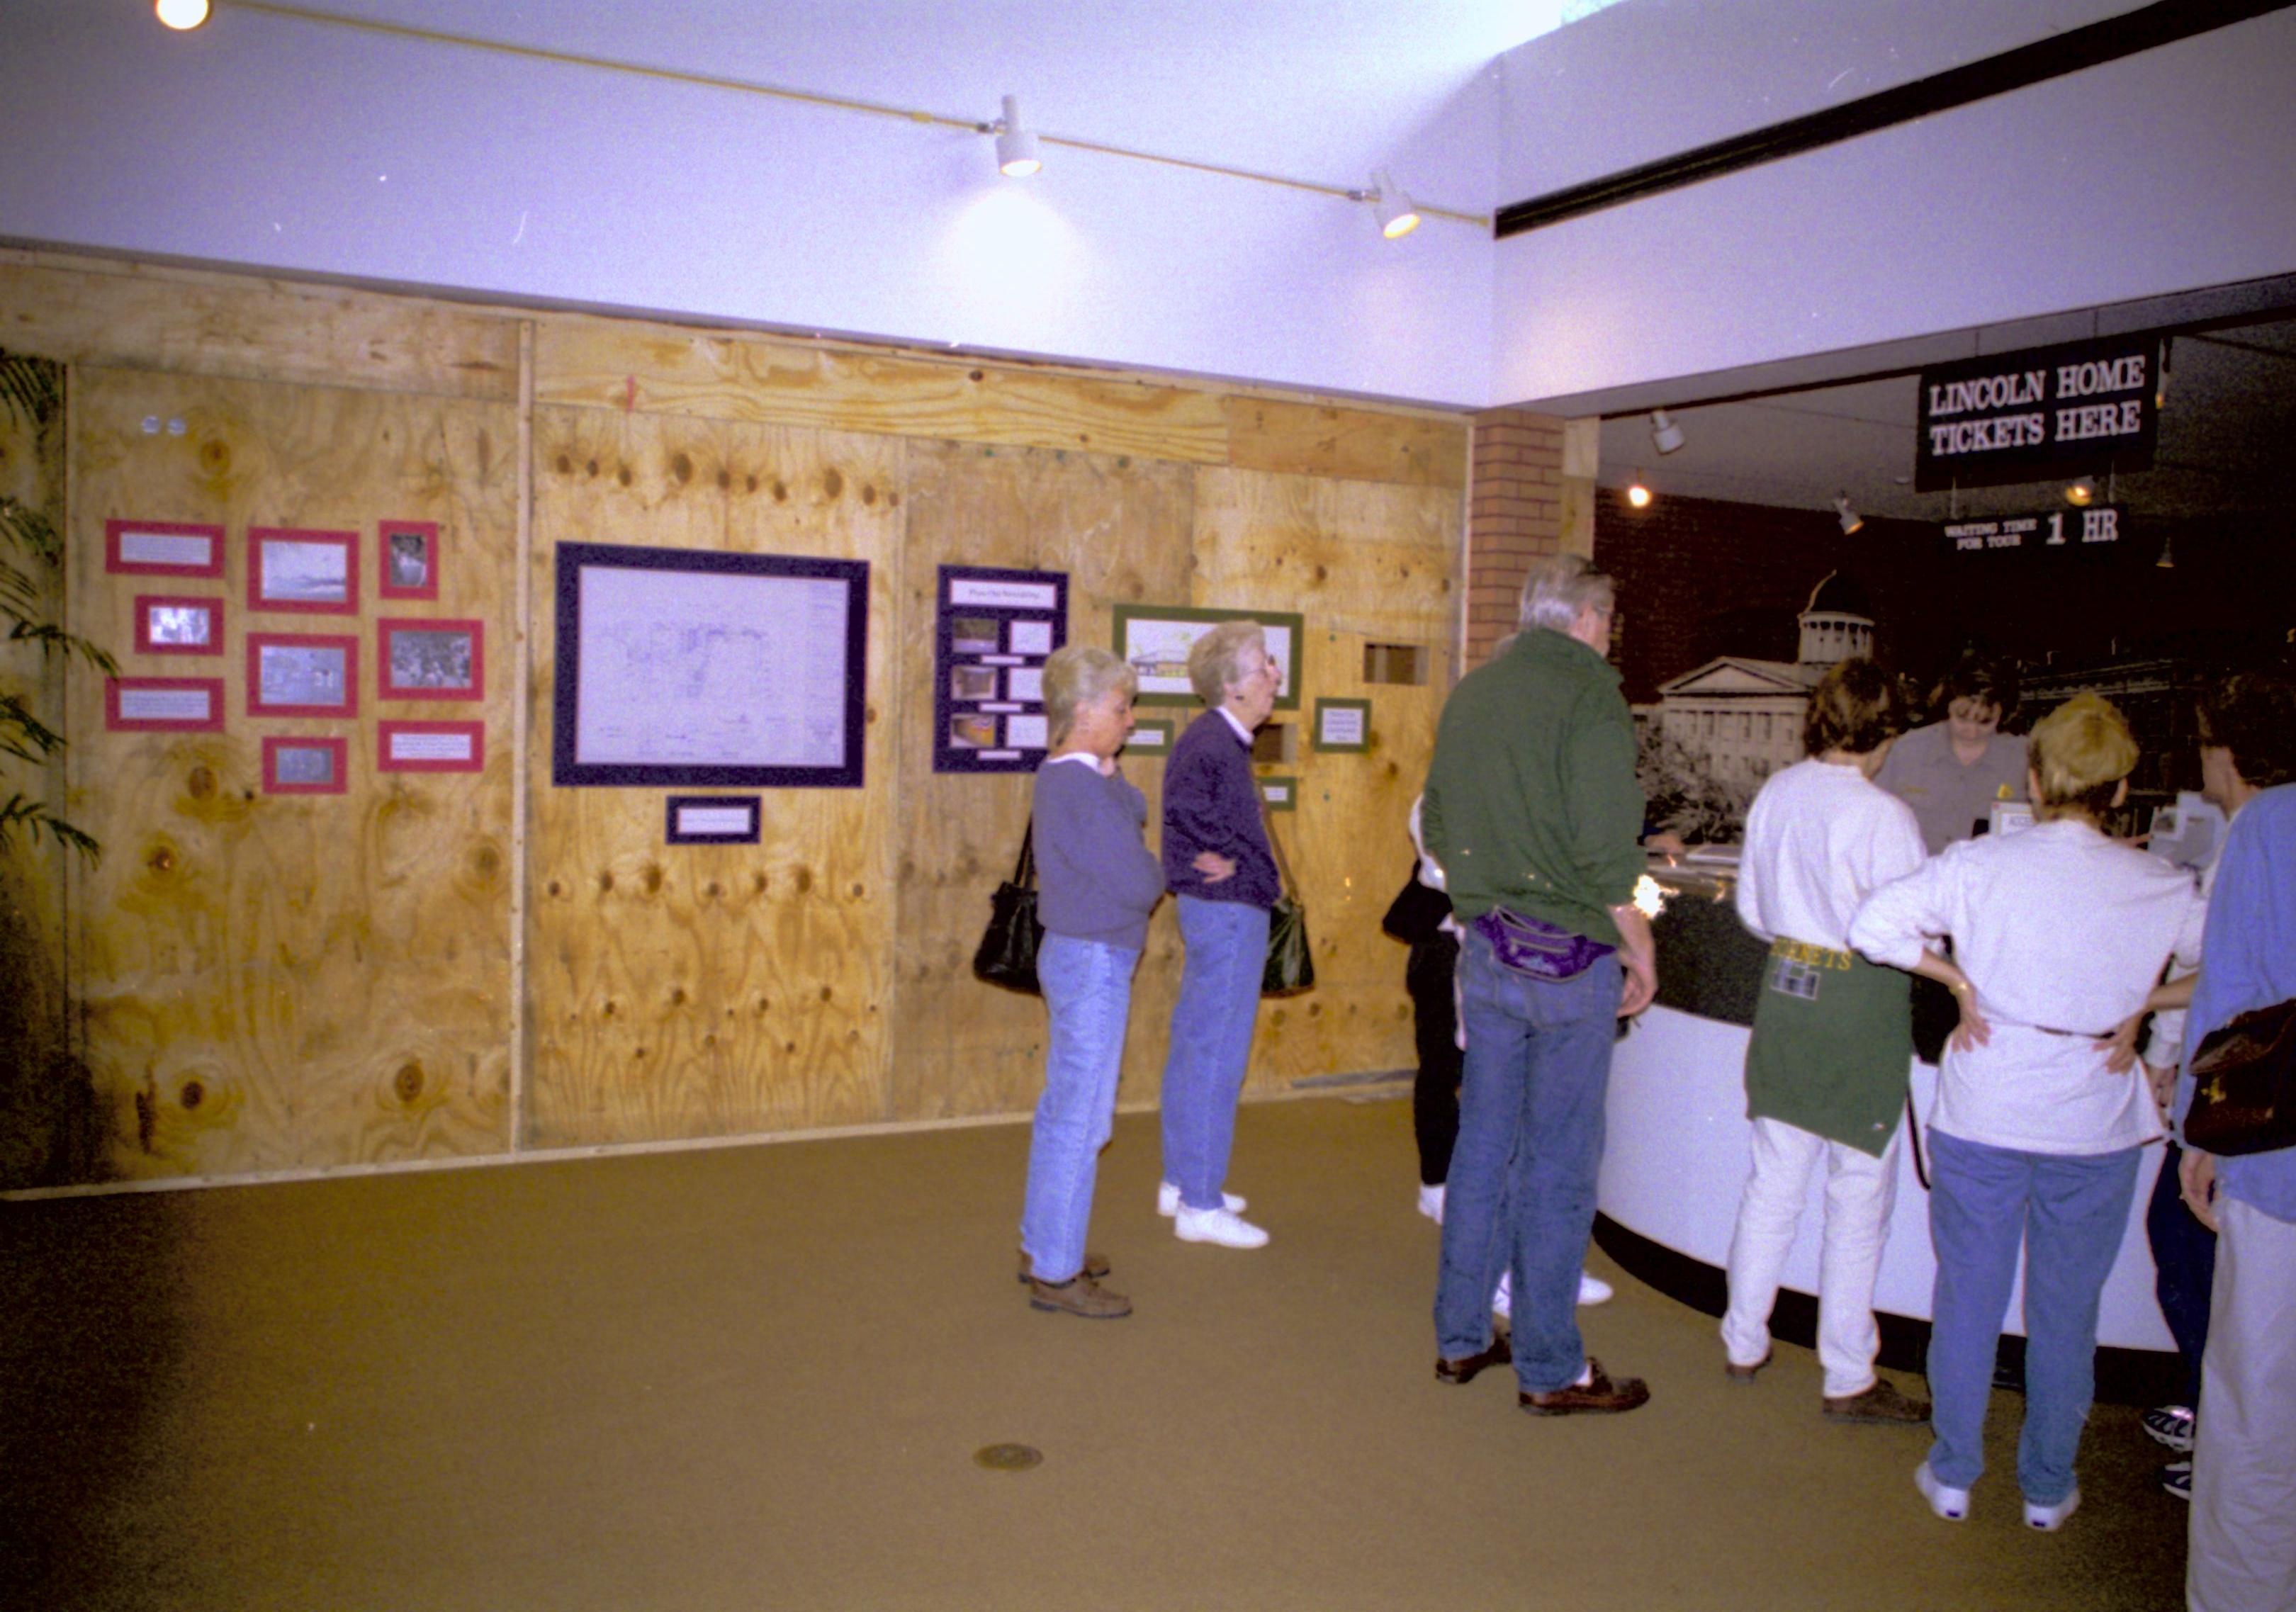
x=430 y=746
x=162 y=548
x=163 y=704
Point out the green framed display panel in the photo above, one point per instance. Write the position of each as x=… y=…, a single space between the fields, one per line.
x=1342 y=725
x=1155 y=639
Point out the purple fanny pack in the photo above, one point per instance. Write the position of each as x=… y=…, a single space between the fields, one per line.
x=1538 y=949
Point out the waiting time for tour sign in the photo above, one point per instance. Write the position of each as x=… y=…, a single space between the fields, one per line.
x=2033 y=415
x=2097 y=530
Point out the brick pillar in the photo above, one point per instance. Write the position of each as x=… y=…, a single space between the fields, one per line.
x=1514 y=516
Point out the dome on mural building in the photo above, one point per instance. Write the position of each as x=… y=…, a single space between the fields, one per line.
x=1837 y=623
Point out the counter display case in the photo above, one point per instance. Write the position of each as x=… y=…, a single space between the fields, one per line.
x=1678 y=1150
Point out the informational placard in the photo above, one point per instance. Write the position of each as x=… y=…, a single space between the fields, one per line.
x=709 y=668
x=715 y=819
x=305 y=765
x=1151 y=736
x=1343 y=725
x=162 y=548
x=2097 y=529
x=1281 y=794
x=996 y=627
x=2040 y=414
x=154 y=705
x=430 y=746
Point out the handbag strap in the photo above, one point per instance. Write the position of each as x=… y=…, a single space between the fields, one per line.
x=1275 y=846
x=1024 y=871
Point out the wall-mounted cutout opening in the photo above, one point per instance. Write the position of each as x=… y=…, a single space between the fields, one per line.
x=1396 y=663
x=1276 y=743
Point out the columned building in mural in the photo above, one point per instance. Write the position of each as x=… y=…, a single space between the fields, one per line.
x=1740 y=719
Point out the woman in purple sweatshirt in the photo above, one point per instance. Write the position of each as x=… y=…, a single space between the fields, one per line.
x=1097 y=885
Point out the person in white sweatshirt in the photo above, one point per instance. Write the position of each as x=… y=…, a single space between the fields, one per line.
x=1832 y=1040
x=2059 y=934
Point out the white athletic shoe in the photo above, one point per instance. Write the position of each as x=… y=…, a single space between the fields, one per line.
x=1167 y=1200
x=1952 y=1504
x=2048 y=1519
x=1431 y=1202
x=1221 y=1226
x=1593 y=1289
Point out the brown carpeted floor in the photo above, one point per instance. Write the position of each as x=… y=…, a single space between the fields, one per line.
x=757 y=1378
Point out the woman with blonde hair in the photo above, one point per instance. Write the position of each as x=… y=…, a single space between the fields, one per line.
x=2058 y=934
x=1097 y=884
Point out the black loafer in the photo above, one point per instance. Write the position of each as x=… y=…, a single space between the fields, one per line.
x=1464 y=1369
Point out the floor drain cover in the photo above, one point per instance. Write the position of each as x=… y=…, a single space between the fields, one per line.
x=1007 y=1458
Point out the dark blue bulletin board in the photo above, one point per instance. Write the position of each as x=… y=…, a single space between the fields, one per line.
x=995 y=628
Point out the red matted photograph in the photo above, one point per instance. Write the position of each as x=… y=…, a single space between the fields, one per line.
x=162 y=548
x=168 y=625
x=430 y=659
x=163 y=704
x=301 y=674
x=430 y=746
x=288 y=569
x=305 y=765
x=406 y=553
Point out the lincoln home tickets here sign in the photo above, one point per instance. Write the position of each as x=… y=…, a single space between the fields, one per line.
x=2038 y=415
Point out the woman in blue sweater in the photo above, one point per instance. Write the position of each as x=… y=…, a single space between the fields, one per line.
x=1097 y=886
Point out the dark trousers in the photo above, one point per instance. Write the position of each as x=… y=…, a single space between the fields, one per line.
x=2185 y=1263
x=1435 y=1026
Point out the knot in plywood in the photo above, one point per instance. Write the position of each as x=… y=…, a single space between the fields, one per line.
x=406 y=1085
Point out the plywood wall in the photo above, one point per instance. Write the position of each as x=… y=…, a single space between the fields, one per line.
x=271 y=981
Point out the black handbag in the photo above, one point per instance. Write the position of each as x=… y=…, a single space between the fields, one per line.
x=2244 y=1085
x=1007 y=955
x=1290 y=966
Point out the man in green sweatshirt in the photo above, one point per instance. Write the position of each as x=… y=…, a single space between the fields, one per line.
x=1534 y=816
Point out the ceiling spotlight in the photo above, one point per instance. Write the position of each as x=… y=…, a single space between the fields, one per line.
x=180 y=14
x=2082 y=494
x=2167 y=562
x=1016 y=147
x=1665 y=435
x=1397 y=217
x=1637 y=494
x=1851 y=521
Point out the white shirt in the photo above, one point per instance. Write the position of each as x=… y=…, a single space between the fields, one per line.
x=1819 y=840
x=2059 y=929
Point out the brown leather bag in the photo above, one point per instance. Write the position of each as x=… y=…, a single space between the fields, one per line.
x=2244 y=1085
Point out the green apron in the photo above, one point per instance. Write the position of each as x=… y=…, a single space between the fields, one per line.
x=1832 y=1045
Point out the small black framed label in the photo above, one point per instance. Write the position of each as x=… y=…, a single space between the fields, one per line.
x=714 y=819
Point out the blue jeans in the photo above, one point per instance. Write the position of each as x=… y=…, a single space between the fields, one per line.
x=2069 y=1212
x=1212 y=1022
x=1521 y=1192
x=2185 y=1267
x=1087 y=995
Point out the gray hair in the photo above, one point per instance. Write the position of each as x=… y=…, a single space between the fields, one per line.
x=1077 y=675
x=1216 y=660
x=1559 y=587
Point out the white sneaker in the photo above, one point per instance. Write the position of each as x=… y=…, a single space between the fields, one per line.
x=1431 y=1202
x=1502 y=1296
x=1593 y=1289
x=2048 y=1519
x=1952 y=1504
x=1221 y=1226
x=1167 y=1200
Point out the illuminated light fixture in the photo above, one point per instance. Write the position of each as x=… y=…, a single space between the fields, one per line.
x=2082 y=494
x=1016 y=147
x=182 y=15
x=2161 y=387
x=1397 y=217
x=1851 y=521
x=1638 y=494
x=2167 y=562
x=1665 y=435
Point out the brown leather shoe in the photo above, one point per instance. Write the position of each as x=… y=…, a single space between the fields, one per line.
x=1734 y=1372
x=1464 y=1369
x=1095 y=1265
x=1080 y=1294
x=1881 y=1402
x=1597 y=1397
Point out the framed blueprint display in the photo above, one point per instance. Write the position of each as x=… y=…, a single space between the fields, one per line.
x=696 y=668
x=997 y=626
